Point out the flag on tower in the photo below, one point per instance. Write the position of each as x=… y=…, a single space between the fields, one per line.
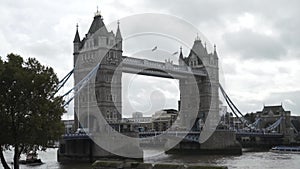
x=154 y=48
x=175 y=53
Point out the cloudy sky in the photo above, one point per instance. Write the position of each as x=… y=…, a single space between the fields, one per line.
x=257 y=41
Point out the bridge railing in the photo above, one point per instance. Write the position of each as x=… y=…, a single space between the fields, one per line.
x=258 y=133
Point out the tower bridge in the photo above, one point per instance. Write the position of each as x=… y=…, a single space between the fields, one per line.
x=100 y=54
x=197 y=72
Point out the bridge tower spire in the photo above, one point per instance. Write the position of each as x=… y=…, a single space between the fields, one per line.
x=215 y=51
x=76 y=45
x=119 y=38
x=181 y=59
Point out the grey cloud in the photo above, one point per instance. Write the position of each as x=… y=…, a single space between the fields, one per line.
x=289 y=30
x=283 y=70
x=251 y=45
x=24 y=23
x=281 y=15
x=214 y=10
x=249 y=106
x=290 y=100
x=229 y=68
x=29 y=29
x=199 y=11
x=148 y=94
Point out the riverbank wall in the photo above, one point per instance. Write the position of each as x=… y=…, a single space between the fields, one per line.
x=140 y=165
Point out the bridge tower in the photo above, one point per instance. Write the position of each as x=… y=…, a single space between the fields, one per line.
x=208 y=86
x=104 y=47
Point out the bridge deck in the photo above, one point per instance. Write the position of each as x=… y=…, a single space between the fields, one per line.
x=258 y=134
x=77 y=136
x=159 y=69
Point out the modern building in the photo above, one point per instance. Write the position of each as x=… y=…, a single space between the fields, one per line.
x=140 y=123
x=138 y=117
x=69 y=126
x=162 y=120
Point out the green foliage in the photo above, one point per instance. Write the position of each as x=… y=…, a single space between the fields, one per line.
x=30 y=114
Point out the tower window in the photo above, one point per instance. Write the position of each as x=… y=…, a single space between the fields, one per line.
x=111 y=54
x=96 y=41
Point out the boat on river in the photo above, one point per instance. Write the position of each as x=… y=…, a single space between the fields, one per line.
x=31 y=159
x=286 y=149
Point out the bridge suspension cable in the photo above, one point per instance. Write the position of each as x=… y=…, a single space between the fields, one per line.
x=78 y=87
x=237 y=112
x=274 y=125
x=64 y=80
x=293 y=126
x=233 y=108
x=256 y=123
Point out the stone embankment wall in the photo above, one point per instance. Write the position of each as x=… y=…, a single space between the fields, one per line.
x=139 y=165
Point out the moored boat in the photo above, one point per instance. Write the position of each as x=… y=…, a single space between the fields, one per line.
x=286 y=149
x=31 y=159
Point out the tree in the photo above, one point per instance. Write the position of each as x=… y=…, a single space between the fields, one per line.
x=30 y=114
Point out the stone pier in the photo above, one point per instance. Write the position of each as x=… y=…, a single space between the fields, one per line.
x=220 y=143
x=83 y=149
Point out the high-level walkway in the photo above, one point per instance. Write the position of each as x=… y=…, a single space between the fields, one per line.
x=159 y=69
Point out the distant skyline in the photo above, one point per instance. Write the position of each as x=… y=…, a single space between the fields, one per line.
x=257 y=41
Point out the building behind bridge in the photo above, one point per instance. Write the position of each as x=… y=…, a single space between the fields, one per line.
x=159 y=121
x=164 y=119
x=270 y=114
x=275 y=119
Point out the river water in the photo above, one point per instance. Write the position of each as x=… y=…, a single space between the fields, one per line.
x=249 y=160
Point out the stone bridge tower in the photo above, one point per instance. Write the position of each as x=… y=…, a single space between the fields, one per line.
x=104 y=47
x=208 y=86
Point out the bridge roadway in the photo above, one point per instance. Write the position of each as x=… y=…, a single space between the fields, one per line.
x=260 y=140
x=159 y=69
x=79 y=136
x=188 y=136
x=258 y=134
x=194 y=136
x=191 y=136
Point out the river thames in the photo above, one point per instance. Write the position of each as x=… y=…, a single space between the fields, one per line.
x=249 y=160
